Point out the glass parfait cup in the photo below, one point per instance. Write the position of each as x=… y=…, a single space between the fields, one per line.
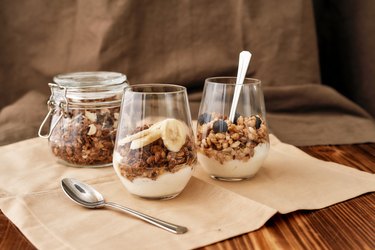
x=231 y=149
x=154 y=154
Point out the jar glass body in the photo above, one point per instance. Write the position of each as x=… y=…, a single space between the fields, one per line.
x=84 y=119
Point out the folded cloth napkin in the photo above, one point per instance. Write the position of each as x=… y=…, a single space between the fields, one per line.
x=31 y=197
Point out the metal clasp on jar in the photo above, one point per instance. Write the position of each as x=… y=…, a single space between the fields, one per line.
x=52 y=109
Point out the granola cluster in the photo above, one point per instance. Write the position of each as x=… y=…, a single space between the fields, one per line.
x=155 y=158
x=224 y=140
x=86 y=137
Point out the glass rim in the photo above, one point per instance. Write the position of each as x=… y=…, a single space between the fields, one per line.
x=253 y=81
x=179 y=88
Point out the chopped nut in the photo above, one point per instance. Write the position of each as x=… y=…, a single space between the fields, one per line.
x=220 y=136
x=92 y=130
x=213 y=139
x=204 y=143
x=235 y=136
x=240 y=120
x=208 y=141
x=235 y=144
x=228 y=150
x=91 y=116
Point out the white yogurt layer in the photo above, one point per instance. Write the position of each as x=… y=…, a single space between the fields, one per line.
x=235 y=168
x=167 y=184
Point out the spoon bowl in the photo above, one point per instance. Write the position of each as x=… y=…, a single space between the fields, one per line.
x=86 y=196
x=82 y=194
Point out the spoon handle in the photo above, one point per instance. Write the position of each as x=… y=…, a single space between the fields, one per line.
x=159 y=223
x=243 y=64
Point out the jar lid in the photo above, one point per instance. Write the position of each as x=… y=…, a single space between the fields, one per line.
x=94 y=79
x=89 y=85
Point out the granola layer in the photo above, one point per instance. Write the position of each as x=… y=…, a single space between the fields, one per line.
x=86 y=137
x=224 y=140
x=154 y=159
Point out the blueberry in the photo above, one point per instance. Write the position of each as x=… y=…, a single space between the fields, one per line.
x=220 y=126
x=204 y=118
x=258 y=122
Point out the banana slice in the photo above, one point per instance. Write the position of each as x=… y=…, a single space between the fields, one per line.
x=173 y=134
x=140 y=134
x=152 y=136
x=135 y=136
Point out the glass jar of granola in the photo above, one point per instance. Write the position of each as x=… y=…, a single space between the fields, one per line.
x=83 y=116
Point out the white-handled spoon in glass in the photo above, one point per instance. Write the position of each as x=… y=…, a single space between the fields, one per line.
x=85 y=195
x=243 y=64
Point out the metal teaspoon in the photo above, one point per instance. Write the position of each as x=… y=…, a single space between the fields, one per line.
x=85 y=195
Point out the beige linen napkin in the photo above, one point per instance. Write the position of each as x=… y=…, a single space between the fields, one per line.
x=31 y=197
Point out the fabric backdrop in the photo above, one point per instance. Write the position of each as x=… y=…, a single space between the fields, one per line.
x=180 y=42
x=346 y=38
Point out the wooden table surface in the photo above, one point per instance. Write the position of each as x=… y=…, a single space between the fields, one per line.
x=347 y=225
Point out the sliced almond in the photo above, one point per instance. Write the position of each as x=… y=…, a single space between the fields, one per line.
x=92 y=130
x=91 y=116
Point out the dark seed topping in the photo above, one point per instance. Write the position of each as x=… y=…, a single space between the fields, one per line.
x=204 y=118
x=220 y=126
x=258 y=122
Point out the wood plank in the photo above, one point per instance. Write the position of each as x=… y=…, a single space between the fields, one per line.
x=11 y=237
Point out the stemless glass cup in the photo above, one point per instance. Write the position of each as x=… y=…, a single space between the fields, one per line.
x=154 y=154
x=231 y=150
